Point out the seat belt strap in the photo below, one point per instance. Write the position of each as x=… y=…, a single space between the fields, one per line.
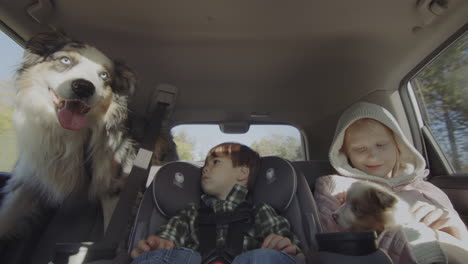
x=206 y=230
x=237 y=223
x=116 y=231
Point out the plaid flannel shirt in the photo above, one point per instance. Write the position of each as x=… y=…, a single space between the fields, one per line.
x=182 y=229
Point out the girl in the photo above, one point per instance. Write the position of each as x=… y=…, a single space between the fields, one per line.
x=369 y=145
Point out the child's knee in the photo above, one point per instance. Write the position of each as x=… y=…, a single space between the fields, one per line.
x=163 y=256
x=264 y=255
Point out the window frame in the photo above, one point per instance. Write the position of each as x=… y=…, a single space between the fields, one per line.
x=12 y=34
x=424 y=141
x=5 y=29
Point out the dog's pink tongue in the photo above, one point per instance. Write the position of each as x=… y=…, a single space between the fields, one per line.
x=72 y=115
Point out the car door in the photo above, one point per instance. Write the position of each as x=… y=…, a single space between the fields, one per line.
x=437 y=103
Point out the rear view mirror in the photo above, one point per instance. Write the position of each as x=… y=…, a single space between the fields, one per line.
x=233 y=127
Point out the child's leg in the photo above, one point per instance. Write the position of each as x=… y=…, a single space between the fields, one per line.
x=453 y=248
x=264 y=255
x=169 y=256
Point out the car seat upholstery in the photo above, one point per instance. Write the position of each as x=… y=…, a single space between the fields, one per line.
x=312 y=169
x=175 y=185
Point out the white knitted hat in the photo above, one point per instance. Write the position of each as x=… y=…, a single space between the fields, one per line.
x=412 y=163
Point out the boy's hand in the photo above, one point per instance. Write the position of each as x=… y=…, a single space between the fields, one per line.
x=150 y=244
x=280 y=243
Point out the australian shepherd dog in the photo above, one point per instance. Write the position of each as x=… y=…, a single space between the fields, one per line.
x=371 y=207
x=70 y=120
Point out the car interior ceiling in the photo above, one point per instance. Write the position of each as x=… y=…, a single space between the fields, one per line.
x=253 y=59
x=300 y=64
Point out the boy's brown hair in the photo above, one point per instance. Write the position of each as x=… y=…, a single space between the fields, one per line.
x=240 y=155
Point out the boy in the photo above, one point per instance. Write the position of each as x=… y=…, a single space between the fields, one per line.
x=369 y=145
x=228 y=174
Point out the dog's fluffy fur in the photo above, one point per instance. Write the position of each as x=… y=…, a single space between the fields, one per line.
x=70 y=117
x=371 y=207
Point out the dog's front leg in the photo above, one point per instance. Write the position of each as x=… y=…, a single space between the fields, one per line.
x=106 y=184
x=18 y=206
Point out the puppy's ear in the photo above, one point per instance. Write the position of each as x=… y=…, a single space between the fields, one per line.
x=124 y=79
x=44 y=44
x=384 y=199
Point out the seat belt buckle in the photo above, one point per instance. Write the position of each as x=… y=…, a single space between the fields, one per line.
x=217 y=260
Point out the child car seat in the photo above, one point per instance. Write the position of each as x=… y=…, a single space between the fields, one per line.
x=178 y=183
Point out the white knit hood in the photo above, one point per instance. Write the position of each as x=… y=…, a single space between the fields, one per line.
x=412 y=164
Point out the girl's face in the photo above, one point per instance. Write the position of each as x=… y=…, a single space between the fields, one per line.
x=371 y=148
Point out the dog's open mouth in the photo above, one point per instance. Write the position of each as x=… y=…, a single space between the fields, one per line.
x=71 y=112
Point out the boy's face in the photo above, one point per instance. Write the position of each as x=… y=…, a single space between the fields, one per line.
x=219 y=176
x=370 y=147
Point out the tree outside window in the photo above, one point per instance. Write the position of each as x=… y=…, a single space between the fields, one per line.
x=441 y=89
x=194 y=140
x=10 y=54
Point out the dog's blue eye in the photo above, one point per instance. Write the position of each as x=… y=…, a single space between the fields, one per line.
x=104 y=75
x=65 y=60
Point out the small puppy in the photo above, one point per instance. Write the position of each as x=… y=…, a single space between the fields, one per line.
x=371 y=207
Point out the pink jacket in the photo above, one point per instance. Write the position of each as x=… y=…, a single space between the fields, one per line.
x=330 y=193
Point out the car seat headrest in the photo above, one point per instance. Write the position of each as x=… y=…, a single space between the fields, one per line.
x=178 y=183
x=175 y=185
x=276 y=183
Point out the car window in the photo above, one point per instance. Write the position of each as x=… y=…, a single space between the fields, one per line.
x=441 y=91
x=195 y=140
x=11 y=54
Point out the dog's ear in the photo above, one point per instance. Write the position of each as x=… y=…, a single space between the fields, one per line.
x=384 y=199
x=124 y=79
x=44 y=44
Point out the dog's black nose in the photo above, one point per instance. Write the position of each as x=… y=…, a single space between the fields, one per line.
x=83 y=88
